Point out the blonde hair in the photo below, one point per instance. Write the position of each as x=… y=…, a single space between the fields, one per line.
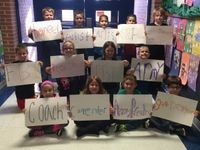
x=49 y=9
x=160 y=10
x=68 y=41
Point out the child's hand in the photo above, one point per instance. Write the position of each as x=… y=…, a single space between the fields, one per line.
x=112 y=111
x=40 y=63
x=196 y=113
x=93 y=37
x=87 y=63
x=117 y=33
x=126 y=63
x=48 y=70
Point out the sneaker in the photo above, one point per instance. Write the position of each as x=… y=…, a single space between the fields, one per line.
x=147 y=124
x=180 y=132
x=34 y=132
x=121 y=128
x=60 y=132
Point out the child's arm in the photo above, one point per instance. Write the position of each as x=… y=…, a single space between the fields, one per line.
x=48 y=70
x=126 y=63
x=40 y=63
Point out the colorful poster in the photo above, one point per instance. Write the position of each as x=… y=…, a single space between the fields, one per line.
x=189 y=2
x=181 y=34
x=188 y=36
x=168 y=55
x=175 y=63
x=193 y=71
x=196 y=3
x=196 y=39
x=183 y=74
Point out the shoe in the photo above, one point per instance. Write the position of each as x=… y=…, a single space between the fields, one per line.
x=60 y=132
x=36 y=132
x=147 y=124
x=180 y=132
x=121 y=128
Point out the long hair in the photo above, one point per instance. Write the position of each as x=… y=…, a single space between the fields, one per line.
x=98 y=80
x=111 y=44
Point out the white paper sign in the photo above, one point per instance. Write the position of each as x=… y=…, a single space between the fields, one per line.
x=131 y=34
x=46 y=30
x=103 y=35
x=63 y=66
x=22 y=73
x=148 y=69
x=159 y=35
x=175 y=108
x=90 y=107
x=132 y=107
x=46 y=111
x=108 y=70
x=82 y=38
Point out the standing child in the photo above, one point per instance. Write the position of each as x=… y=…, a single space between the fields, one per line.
x=46 y=49
x=103 y=23
x=68 y=85
x=47 y=91
x=129 y=85
x=129 y=50
x=174 y=87
x=23 y=92
x=93 y=86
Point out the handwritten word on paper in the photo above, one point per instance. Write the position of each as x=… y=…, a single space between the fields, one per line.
x=22 y=73
x=108 y=70
x=103 y=35
x=159 y=35
x=63 y=66
x=46 y=30
x=46 y=111
x=175 y=108
x=82 y=38
x=131 y=34
x=132 y=107
x=148 y=69
x=90 y=107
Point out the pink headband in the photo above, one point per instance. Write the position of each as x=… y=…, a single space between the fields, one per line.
x=47 y=82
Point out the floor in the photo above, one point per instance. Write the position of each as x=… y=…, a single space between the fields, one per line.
x=14 y=136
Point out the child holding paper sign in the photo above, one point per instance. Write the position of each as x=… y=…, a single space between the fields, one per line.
x=23 y=92
x=174 y=87
x=93 y=86
x=68 y=85
x=47 y=90
x=45 y=49
x=129 y=85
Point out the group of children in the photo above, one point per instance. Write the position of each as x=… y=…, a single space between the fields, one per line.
x=94 y=85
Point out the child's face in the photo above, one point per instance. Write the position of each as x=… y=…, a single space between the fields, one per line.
x=144 y=53
x=68 y=49
x=48 y=15
x=109 y=53
x=174 y=89
x=47 y=91
x=94 y=87
x=79 y=20
x=131 y=20
x=129 y=86
x=103 y=22
x=158 y=18
x=22 y=54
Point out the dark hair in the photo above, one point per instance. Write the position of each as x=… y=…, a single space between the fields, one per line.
x=132 y=15
x=98 y=80
x=20 y=46
x=78 y=12
x=173 y=80
x=131 y=77
x=111 y=44
x=100 y=17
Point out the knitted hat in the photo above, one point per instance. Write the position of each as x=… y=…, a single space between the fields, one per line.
x=47 y=82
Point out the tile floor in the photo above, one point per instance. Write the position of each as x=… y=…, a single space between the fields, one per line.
x=14 y=136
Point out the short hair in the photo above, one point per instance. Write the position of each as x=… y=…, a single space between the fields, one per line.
x=132 y=15
x=143 y=46
x=173 y=80
x=98 y=80
x=111 y=44
x=20 y=46
x=105 y=16
x=49 y=9
x=78 y=12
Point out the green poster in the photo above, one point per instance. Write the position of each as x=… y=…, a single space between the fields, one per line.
x=188 y=36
